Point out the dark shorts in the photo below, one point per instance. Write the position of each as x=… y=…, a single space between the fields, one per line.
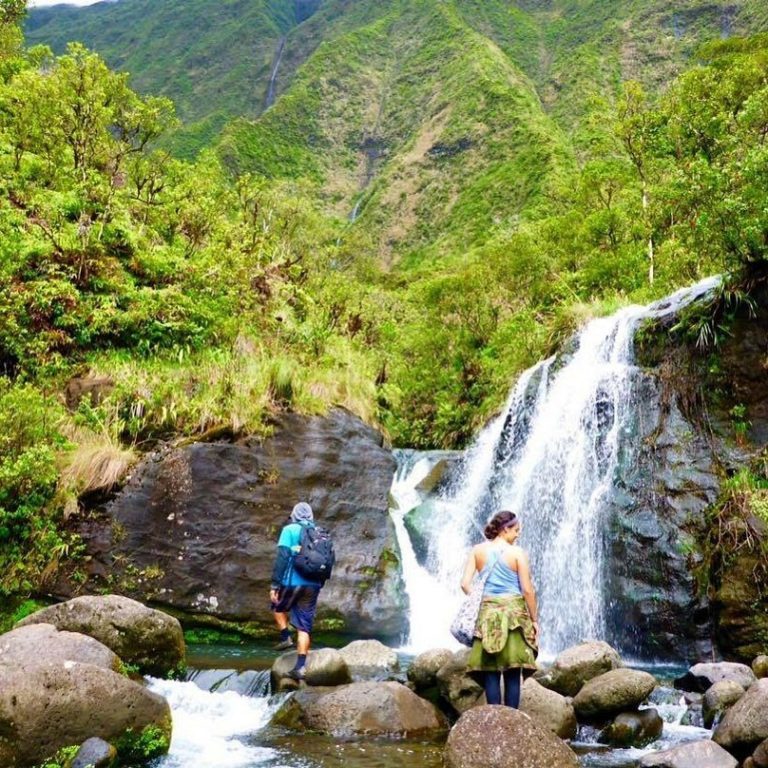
x=301 y=602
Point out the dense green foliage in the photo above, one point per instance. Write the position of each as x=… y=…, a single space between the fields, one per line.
x=518 y=187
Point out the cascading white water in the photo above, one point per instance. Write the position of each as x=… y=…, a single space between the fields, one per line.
x=212 y=730
x=551 y=457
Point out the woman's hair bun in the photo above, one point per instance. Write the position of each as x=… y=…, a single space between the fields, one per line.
x=498 y=523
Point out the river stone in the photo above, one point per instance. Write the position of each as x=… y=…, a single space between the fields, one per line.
x=760 y=755
x=325 y=666
x=53 y=705
x=423 y=670
x=94 y=753
x=549 y=709
x=613 y=692
x=693 y=716
x=718 y=698
x=701 y=677
x=582 y=662
x=457 y=688
x=39 y=643
x=696 y=754
x=633 y=729
x=501 y=737
x=745 y=724
x=150 y=640
x=370 y=660
x=204 y=519
x=760 y=667
x=368 y=709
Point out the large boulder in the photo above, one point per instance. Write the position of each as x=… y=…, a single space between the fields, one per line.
x=422 y=672
x=196 y=526
x=26 y=647
x=745 y=724
x=633 y=729
x=612 y=693
x=57 y=704
x=549 y=709
x=700 y=677
x=718 y=699
x=368 y=709
x=696 y=754
x=370 y=660
x=582 y=662
x=325 y=666
x=457 y=688
x=150 y=640
x=501 y=737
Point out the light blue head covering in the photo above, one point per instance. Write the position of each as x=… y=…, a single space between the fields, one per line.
x=302 y=512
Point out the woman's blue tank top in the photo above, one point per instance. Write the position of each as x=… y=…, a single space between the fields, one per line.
x=502 y=580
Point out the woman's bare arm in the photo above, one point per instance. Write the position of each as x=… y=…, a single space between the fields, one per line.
x=469 y=572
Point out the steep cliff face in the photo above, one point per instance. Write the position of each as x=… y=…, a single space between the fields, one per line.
x=688 y=543
x=195 y=529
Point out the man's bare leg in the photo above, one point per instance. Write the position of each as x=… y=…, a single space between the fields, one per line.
x=281 y=619
x=302 y=643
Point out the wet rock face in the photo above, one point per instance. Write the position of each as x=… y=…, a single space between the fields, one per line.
x=667 y=476
x=196 y=527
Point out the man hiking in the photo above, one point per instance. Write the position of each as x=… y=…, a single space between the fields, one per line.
x=303 y=563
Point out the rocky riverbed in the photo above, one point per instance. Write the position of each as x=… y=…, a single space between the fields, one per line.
x=69 y=690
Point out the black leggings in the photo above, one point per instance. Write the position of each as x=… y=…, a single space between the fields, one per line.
x=512 y=681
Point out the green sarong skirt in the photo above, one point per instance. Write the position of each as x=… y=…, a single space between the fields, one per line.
x=504 y=637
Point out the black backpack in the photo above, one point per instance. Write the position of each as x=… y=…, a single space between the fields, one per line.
x=315 y=558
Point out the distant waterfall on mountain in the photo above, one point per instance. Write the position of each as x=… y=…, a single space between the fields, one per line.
x=551 y=457
x=272 y=87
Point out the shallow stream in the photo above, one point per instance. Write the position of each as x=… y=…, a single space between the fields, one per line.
x=221 y=718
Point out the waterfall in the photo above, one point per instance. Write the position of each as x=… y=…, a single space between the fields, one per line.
x=272 y=87
x=551 y=457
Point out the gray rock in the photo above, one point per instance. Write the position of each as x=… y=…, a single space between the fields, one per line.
x=633 y=729
x=149 y=639
x=582 y=662
x=204 y=519
x=370 y=660
x=325 y=666
x=745 y=724
x=501 y=737
x=693 y=716
x=612 y=693
x=41 y=643
x=370 y=709
x=458 y=689
x=700 y=677
x=719 y=698
x=423 y=670
x=549 y=709
x=696 y=754
x=53 y=705
x=760 y=666
x=760 y=755
x=94 y=753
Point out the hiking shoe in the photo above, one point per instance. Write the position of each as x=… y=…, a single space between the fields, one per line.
x=298 y=674
x=283 y=645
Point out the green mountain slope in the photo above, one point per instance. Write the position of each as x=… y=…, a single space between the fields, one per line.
x=450 y=133
x=214 y=59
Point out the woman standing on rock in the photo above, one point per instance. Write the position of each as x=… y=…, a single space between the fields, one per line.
x=507 y=629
